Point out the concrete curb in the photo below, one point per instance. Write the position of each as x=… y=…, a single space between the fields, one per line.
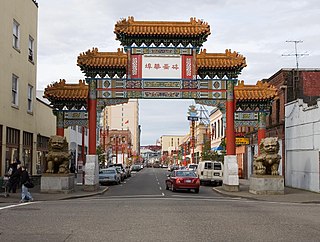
x=86 y=195
x=234 y=195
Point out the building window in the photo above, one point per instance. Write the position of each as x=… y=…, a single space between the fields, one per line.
x=278 y=111
x=30 y=90
x=31 y=52
x=222 y=128
x=16 y=34
x=14 y=90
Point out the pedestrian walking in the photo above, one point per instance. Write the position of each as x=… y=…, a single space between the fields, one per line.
x=25 y=180
x=14 y=177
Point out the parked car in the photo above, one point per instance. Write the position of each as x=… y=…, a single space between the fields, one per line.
x=135 y=168
x=125 y=170
x=156 y=165
x=128 y=171
x=164 y=166
x=210 y=172
x=121 y=171
x=183 y=179
x=173 y=167
x=109 y=175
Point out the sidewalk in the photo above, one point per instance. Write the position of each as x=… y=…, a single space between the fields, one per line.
x=291 y=195
x=38 y=196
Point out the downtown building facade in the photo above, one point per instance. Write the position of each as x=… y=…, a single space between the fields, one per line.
x=120 y=132
x=26 y=118
x=26 y=122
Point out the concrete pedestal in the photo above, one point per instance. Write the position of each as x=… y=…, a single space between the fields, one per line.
x=266 y=185
x=57 y=183
x=91 y=177
x=230 y=174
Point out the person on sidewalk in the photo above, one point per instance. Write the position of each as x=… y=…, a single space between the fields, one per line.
x=14 y=179
x=25 y=194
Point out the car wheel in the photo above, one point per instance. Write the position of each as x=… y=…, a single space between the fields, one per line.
x=196 y=190
x=118 y=182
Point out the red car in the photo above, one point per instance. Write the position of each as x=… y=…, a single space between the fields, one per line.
x=183 y=179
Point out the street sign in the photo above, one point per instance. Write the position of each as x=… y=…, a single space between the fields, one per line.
x=242 y=141
x=190 y=118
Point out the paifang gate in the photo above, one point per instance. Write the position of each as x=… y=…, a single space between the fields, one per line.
x=161 y=60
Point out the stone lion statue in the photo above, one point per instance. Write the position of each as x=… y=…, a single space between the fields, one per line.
x=267 y=163
x=58 y=156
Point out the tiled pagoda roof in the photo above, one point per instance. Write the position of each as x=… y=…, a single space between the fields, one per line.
x=97 y=60
x=259 y=92
x=130 y=27
x=66 y=92
x=262 y=91
x=225 y=60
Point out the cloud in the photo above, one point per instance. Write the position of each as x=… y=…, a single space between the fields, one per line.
x=257 y=29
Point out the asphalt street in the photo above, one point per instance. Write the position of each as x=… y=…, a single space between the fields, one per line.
x=140 y=209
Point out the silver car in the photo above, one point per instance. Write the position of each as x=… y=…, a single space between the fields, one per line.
x=109 y=175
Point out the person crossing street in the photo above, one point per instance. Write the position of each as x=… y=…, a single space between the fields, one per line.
x=25 y=194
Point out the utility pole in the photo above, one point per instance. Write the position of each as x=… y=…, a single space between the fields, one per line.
x=295 y=80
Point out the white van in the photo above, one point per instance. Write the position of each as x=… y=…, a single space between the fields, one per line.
x=210 y=172
x=192 y=167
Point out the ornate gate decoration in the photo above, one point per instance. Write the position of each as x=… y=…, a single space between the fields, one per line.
x=160 y=60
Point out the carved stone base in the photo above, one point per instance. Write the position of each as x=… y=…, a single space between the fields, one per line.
x=230 y=174
x=231 y=188
x=91 y=178
x=266 y=185
x=57 y=183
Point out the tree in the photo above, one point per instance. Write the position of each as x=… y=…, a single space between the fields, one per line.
x=208 y=154
x=101 y=155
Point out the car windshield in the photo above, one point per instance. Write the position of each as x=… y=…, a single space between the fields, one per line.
x=107 y=172
x=186 y=173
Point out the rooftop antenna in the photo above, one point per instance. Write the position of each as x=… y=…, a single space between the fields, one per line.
x=296 y=54
x=296 y=73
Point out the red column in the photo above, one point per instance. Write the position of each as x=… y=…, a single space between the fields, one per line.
x=59 y=125
x=262 y=128
x=60 y=132
x=116 y=150
x=230 y=134
x=92 y=112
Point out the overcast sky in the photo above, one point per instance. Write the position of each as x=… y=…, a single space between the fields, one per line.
x=257 y=29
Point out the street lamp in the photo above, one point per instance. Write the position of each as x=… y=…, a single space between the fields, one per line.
x=192 y=112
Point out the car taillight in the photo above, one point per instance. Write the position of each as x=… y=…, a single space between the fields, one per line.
x=196 y=180
x=179 y=180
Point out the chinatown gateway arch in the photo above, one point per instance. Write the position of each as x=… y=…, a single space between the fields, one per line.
x=161 y=60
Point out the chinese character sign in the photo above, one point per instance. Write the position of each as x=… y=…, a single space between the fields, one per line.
x=161 y=67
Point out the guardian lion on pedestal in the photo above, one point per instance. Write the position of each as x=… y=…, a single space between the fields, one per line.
x=58 y=156
x=267 y=163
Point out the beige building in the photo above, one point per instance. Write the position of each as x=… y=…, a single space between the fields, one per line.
x=217 y=127
x=170 y=143
x=25 y=122
x=124 y=117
